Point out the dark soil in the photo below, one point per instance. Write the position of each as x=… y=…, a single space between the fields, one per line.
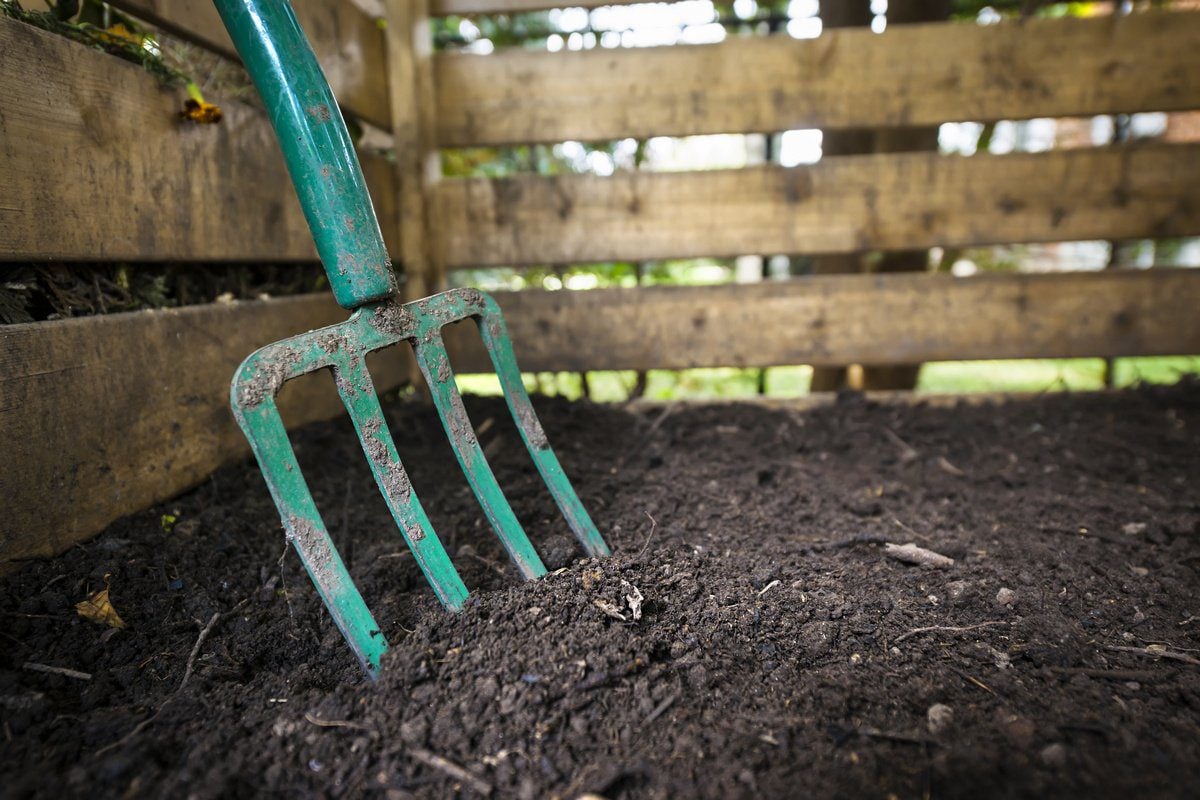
x=36 y=292
x=779 y=652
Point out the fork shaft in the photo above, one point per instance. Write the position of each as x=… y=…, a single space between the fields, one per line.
x=316 y=146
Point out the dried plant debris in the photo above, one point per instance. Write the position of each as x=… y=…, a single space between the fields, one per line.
x=910 y=553
x=98 y=608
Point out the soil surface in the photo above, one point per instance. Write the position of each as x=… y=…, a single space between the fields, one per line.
x=779 y=652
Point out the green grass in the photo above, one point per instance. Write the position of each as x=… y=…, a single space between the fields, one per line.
x=1075 y=374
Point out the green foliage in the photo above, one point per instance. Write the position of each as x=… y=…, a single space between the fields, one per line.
x=123 y=37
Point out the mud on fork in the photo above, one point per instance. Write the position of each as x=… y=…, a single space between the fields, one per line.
x=326 y=173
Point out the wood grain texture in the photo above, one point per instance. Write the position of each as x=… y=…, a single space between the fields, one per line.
x=839 y=319
x=96 y=165
x=910 y=75
x=443 y=8
x=103 y=416
x=348 y=44
x=418 y=165
x=886 y=202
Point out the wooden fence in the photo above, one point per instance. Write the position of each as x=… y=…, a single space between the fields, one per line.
x=103 y=416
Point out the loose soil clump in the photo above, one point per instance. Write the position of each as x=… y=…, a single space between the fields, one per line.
x=752 y=636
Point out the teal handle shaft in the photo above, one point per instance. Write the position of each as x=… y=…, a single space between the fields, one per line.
x=316 y=147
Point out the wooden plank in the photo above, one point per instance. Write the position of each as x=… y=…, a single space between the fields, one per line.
x=839 y=319
x=96 y=165
x=886 y=202
x=103 y=416
x=444 y=8
x=910 y=75
x=348 y=43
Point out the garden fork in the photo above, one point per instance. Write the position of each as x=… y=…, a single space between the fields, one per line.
x=332 y=192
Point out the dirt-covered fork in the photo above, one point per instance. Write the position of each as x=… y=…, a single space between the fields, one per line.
x=329 y=182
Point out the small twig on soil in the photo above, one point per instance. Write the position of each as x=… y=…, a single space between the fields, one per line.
x=337 y=723
x=660 y=709
x=451 y=769
x=191 y=662
x=909 y=529
x=287 y=596
x=645 y=440
x=947 y=629
x=907 y=451
x=910 y=553
x=649 y=536
x=141 y=726
x=973 y=680
x=945 y=466
x=469 y=552
x=769 y=587
x=204 y=633
x=67 y=673
x=187 y=673
x=1157 y=652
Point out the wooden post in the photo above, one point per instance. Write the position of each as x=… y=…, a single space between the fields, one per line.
x=905 y=140
x=840 y=14
x=410 y=86
x=410 y=89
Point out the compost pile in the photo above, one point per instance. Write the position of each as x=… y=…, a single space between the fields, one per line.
x=752 y=635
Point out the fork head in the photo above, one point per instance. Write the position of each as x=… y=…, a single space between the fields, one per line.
x=343 y=348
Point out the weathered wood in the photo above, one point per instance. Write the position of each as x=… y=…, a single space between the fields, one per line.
x=348 y=43
x=910 y=75
x=888 y=202
x=95 y=164
x=103 y=416
x=418 y=165
x=842 y=319
x=443 y=8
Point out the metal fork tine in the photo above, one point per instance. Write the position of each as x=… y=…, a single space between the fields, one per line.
x=435 y=365
x=358 y=395
x=307 y=533
x=499 y=347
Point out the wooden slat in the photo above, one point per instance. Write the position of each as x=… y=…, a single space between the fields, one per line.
x=888 y=202
x=839 y=319
x=909 y=75
x=348 y=43
x=444 y=8
x=103 y=416
x=95 y=164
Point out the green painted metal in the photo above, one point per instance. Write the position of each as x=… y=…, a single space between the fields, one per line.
x=316 y=147
x=325 y=171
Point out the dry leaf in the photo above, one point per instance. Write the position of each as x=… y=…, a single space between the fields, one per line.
x=99 y=609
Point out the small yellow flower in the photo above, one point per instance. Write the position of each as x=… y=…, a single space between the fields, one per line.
x=195 y=109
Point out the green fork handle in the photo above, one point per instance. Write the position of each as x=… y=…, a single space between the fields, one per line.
x=316 y=147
